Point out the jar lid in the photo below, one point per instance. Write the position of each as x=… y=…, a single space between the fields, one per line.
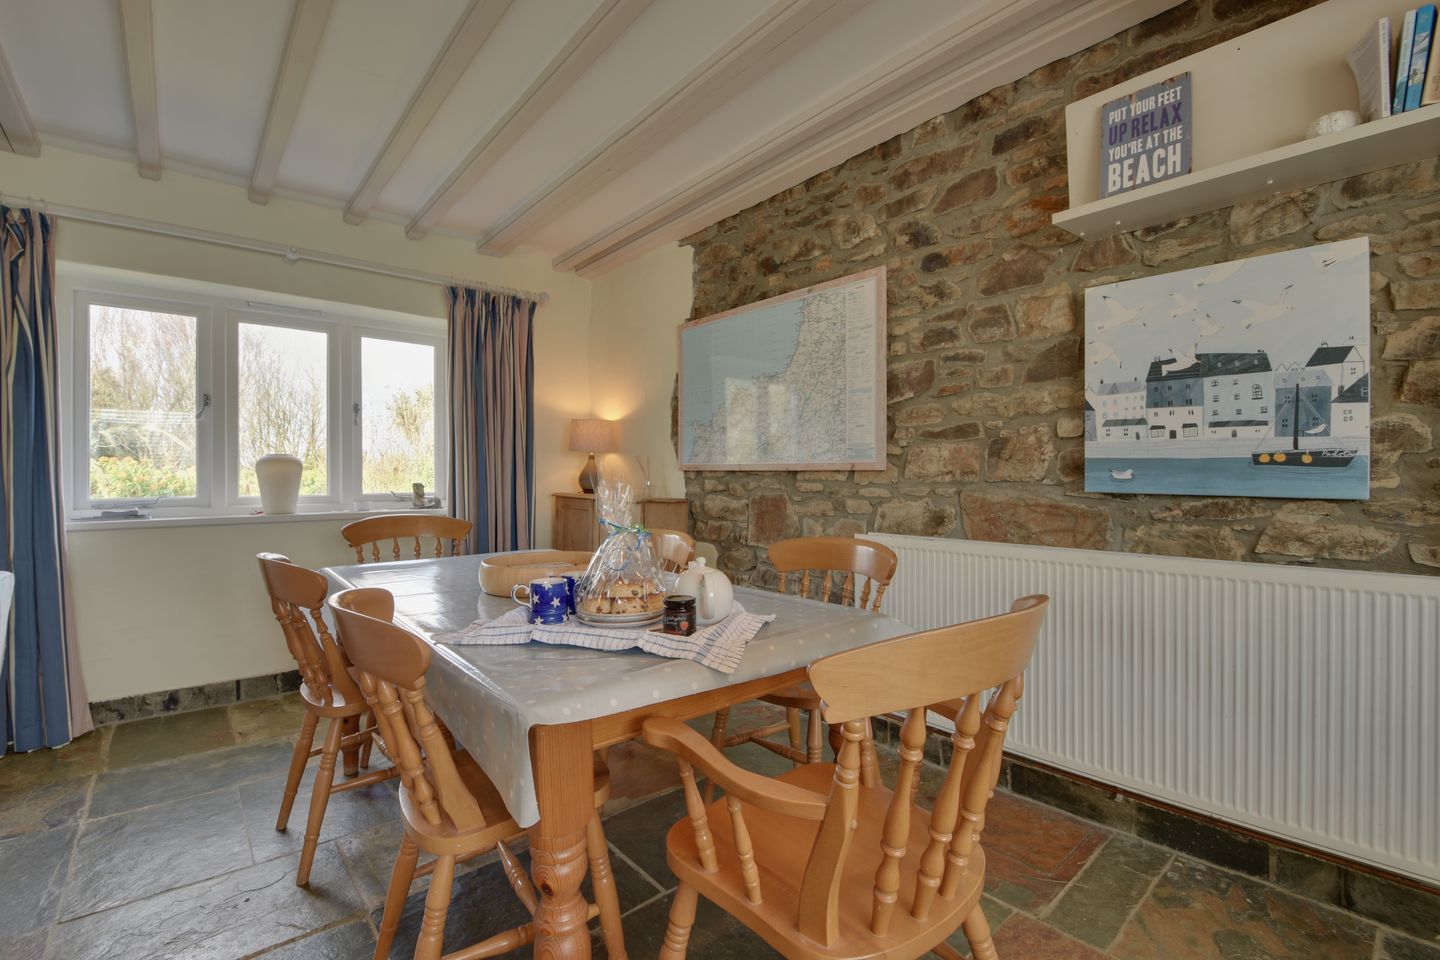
x=680 y=601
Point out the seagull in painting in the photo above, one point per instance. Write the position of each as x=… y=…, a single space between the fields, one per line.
x=1327 y=258
x=1183 y=305
x=1098 y=353
x=1264 y=312
x=1119 y=315
x=1209 y=326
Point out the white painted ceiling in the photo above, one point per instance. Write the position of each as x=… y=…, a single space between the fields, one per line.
x=217 y=62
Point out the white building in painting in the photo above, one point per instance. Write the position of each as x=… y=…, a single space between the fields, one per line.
x=1350 y=411
x=1344 y=365
x=1239 y=394
x=1119 y=410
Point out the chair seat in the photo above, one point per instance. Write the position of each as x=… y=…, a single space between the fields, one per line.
x=782 y=846
x=799 y=696
x=445 y=837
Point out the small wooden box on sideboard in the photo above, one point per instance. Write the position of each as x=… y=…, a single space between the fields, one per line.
x=577 y=528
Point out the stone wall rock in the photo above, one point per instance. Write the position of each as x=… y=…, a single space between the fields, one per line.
x=985 y=332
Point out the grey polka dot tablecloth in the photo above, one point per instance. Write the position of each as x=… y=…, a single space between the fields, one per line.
x=490 y=696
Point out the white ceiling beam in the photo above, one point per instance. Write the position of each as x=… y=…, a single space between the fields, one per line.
x=137 y=25
x=17 y=130
x=302 y=45
x=765 y=42
x=466 y=38
x=995 y=45
x=611 y=19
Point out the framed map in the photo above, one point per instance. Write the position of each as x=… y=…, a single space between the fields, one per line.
x=796 y=382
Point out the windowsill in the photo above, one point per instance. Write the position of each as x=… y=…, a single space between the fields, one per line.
x=88 y=524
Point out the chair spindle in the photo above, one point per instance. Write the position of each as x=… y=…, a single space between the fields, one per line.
x=744 y=850
x=695 y=807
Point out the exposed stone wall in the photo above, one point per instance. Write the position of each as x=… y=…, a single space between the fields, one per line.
x=985 y=381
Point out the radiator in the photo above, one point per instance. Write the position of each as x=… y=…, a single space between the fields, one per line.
x=1299 y=702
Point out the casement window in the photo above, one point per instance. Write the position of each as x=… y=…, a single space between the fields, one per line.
x=176 y=396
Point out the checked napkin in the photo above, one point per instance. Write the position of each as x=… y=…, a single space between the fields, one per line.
x=718 y=646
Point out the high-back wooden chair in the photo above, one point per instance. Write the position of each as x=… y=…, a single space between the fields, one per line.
x=449 y=534
x=297 y=596
x=673 y=548
x=852 y=572
x=826 y=861
x=450 y=807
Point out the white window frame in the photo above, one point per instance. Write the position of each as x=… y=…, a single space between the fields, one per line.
x=353 y=414
x=218 y=319
x=205 y=386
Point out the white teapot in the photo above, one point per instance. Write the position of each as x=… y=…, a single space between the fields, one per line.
x=713 y=593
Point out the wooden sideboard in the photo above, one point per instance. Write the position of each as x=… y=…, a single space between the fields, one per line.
x=576 y=527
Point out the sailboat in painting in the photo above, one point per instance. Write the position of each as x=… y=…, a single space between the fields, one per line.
x=1296 y=455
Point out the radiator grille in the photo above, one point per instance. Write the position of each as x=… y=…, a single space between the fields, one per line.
x=1303 y=703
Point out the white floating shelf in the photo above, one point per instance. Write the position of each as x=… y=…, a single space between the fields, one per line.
x=1370 y=146
x=1251 y=99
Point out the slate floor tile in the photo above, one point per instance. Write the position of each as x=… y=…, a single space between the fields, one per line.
x=80 y=757
x=167 y=737
x=482 y=904
x=1097 y=904
x=224 y=918
x=370 y=855
x=1199 y=911
x=349 y=941
x=349 y=812
x=1396 y=946
x=639 y=833
x=1033 y=851
x=1024 y=937
x=32 y=872
x=273 y=718
x=31 y=807
x=133 y=787
x=143 y=852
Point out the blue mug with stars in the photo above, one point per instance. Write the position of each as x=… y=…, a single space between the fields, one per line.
x=548 y=599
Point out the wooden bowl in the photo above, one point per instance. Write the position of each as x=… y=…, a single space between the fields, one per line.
x=501 y=573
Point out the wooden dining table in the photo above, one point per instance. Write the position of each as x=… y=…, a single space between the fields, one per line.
x=532 y=714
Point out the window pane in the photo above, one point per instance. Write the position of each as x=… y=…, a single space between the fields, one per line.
x=397 y=404
x=142 y=404
x=284 y=402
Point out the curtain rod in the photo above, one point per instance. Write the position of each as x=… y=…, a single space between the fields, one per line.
x=290 y=254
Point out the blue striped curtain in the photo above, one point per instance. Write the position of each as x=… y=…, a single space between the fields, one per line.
x=42 y=696
x=492 y=417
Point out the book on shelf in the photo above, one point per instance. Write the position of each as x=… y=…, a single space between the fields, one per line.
x=1370 y=61
x=1431 y=93
x=1419 y=55
x=1402 y=64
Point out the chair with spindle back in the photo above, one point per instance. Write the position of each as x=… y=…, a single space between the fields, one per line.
x=673 y=548
x=826 y=861
x=394 y=527
x=861 y=564
x=297 y=596
x=450 y=807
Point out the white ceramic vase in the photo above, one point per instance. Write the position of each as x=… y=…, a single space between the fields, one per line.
x=278 y=475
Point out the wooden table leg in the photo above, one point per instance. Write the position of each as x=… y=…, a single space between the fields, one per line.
x=565 y=787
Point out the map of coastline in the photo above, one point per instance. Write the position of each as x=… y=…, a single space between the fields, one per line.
x=774 y=385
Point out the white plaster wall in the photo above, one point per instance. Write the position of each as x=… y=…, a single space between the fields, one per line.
x=171 y=607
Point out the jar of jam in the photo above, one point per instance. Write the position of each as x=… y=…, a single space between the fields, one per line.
x=679 y=617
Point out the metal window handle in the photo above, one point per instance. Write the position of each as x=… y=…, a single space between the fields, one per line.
x=204 y=405
x=356 y=409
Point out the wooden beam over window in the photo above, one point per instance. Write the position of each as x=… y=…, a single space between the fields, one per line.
x=302 y=45
x=770 y=39
x=137 y=25
x=468 y=36
x=17 y=130
x=603 y=28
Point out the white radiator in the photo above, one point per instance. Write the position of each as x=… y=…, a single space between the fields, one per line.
x=1300 y=702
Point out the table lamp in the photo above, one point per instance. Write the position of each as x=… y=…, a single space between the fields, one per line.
x=592 y=437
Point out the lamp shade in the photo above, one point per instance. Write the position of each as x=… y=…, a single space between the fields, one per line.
x=592 y=436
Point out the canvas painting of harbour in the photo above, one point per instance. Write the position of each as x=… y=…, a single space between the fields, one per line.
x=1249 y=378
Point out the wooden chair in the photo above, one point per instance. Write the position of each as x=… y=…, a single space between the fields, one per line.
x=450 y=807
x=825 y=861
x=673 y=548
x=373 y=531
x=328 y=690
x=874 y=565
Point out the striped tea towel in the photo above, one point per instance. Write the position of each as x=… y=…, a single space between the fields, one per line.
x=718 y=646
